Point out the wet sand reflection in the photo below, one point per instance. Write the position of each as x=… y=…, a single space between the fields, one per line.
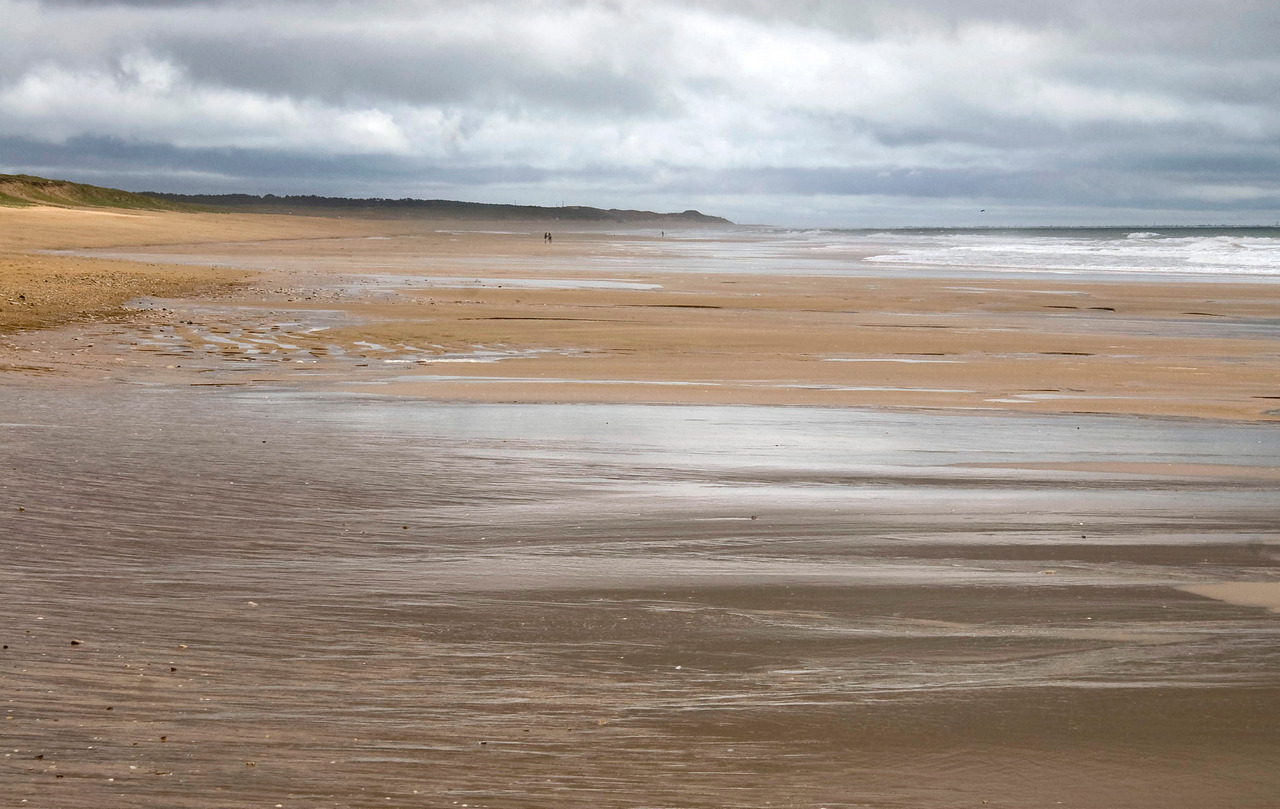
x=237 y=599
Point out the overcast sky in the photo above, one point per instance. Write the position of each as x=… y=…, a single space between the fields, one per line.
x=793 y=112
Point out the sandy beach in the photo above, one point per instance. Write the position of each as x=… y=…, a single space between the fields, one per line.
x=475 y=312
x=358 y=512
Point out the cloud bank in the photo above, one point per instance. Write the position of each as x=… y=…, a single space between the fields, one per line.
x=825 y=113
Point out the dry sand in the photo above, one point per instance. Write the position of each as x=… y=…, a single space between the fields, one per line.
x=404 y=303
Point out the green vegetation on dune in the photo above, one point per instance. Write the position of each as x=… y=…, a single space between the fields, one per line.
x=452 y=209
x=24 y=190
x=9 y=201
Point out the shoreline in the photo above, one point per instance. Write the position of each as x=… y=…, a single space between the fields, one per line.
x=438 y=310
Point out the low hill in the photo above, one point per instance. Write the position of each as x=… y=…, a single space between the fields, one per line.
x=23 y=190
x=270 y=203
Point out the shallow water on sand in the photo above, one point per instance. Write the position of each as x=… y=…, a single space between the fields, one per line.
x=220 y=598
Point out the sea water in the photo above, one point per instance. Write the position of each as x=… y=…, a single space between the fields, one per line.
x=1114 y=254
x=1200 y=254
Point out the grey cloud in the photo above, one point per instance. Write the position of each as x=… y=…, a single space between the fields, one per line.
x=1135 y=105
x=317 y=5
x=123 y=3
x=1080 y=189
x=336 y=71
x=154 y=166
x=740 y=194
x=359 y=62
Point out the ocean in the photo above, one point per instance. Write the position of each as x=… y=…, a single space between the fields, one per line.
x=1194 y=254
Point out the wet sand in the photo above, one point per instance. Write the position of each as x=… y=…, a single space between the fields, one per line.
x=223 y=598
x=288 y=570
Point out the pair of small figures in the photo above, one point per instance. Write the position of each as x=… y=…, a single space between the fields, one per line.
x=546 y=237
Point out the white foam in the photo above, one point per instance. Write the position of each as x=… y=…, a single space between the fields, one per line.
x=1136 y=253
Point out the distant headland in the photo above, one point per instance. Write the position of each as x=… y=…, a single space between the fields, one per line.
x=24 y=190
x=433 y=207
